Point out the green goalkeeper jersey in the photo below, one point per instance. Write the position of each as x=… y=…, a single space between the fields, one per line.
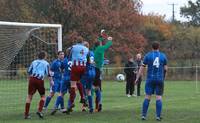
x=99 y=54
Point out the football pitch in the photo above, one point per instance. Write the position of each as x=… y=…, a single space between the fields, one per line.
x=181 y=104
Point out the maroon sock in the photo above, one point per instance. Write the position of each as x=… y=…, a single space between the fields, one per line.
x=27 y=107
x=80 y=88
x=40 y=105
x=72 y=95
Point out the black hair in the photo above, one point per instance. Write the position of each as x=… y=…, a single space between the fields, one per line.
x=59 y=52
x=155 y=45
x=41 y=54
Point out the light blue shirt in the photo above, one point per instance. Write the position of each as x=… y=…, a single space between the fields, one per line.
x=79 y=53
x=39 y=68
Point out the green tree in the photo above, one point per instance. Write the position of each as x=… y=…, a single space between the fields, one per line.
x=191 y=12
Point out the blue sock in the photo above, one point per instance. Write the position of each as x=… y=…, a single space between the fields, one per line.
x=145 y=107
x=62 y=102
x=58 y=101
x=48 y=99
x=158 y=108
x=69 y=104
x=98 y=95
x=90 y=102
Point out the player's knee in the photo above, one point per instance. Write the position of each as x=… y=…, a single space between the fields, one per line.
x=97 y=88
x=29 y=98
x=89 y=93
x=61 y=94
x=73 y=84
x=158 y=97
x=51 y=94
x=43 y=98
x=148 y=97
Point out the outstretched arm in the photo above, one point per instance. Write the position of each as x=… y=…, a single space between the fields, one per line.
x=108 y=44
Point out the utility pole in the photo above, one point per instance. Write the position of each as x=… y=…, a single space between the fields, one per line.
x=173 y=12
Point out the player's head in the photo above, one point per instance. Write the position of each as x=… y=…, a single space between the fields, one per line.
x=130 y=58
x=85 y=43
x=103 y=33
x=61 y=55
x=42 y=55
x=138 y=56
x=155 y=45
x=79 y=39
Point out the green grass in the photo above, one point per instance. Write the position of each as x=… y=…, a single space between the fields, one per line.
x=180 y=105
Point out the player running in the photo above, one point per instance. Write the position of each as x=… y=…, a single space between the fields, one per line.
x=57 y=70
x=157 y=67
x=37 y=71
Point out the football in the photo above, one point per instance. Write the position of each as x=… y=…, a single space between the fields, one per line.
x=120 y=77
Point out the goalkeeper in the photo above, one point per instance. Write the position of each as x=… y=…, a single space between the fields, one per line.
x=99 y=52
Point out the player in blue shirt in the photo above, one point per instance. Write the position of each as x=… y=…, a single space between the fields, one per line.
x=88 y=78
x=37 y=71
x=57 y=70
x=65 y=86
x=157 y=67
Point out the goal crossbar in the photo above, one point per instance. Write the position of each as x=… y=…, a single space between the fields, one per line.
x=59 y=26
x=30 y=24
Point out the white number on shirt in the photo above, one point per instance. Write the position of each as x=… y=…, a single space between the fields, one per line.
x=156 y=62
x=69 y=65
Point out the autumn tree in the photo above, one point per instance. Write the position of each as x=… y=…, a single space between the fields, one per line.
x=156 y=29
x=120 y=18
x=86 y=18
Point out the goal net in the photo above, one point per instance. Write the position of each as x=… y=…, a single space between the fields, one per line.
x=19 y=45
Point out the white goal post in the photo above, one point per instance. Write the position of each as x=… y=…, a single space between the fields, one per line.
x=59 y=26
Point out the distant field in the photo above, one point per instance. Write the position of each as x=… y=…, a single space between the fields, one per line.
x=181 y=104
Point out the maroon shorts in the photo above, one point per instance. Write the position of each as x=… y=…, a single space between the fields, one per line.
x=77 y=72
x=34 y=85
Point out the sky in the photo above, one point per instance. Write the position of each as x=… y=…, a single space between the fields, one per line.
x=164 y=7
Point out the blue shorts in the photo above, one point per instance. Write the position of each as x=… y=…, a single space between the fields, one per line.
x=154 y=87
x=87 y=83
x=88 y=78
x=57 y=86
x=65 y=85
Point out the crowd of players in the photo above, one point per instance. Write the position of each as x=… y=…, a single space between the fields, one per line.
x=77 y=69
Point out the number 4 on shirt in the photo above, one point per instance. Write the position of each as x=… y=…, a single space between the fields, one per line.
x=156 y=62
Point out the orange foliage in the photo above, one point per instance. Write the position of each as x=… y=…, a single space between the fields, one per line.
x=157 y=22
